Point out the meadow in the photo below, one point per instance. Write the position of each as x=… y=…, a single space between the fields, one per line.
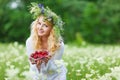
x=89 y=62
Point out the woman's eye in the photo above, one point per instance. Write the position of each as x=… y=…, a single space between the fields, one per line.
x=45 y=25
x=39 y=23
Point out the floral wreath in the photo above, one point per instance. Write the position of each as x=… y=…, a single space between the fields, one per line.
x=39 y=9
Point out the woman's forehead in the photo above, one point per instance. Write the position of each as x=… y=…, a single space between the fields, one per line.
x=41 y=19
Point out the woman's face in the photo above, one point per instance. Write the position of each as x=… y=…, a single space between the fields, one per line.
x=43 y=27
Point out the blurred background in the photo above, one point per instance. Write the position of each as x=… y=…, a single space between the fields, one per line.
x=91 y=21
x=91 y=36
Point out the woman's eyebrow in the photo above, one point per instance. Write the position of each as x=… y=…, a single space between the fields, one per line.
x=39 y=22
x=45 y=24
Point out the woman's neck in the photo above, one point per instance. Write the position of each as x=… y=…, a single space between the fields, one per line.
x=44 y=39
x=44 y=44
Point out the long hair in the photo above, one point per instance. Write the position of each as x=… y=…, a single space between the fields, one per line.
x=53 y=39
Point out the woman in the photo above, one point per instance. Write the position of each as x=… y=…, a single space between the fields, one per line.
x=45 y=36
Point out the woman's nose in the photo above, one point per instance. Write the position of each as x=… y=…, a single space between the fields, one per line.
x=40 y=27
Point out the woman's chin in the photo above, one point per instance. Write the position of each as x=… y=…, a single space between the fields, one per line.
x=40 y=35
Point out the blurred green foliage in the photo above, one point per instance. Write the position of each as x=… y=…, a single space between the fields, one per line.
x=95 y=21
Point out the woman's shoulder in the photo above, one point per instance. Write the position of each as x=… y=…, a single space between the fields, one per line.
x=59 y=51
x=29 y=42
x=29 y=46
x=61 y=45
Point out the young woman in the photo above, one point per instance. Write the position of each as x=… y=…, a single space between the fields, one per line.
x=46 y=43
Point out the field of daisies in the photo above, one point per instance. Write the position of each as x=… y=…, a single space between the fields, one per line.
x=90 y=62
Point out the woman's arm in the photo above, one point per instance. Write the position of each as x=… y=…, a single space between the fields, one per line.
x=29 y=51
x=29 y=47
x=59 y=53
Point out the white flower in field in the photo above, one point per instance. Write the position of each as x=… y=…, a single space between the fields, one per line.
x=100 y=60
x=19 y=59
x=66 y=63
x=20 y=47
x=78 y=74
x=88 y=66
x=69 y=73
x=105 y=77
x=115 y=69
x=92 y=71
x=73 y=69
x=71 y=65
x=88 y=75
x=8 y=63
x=83 y=57
x=12 y=66
x=12 y=72
x=82 y=60
x=26 y=67
x=28 y=75
x=116 y=72
x=78 y=71
x=14 y=52
x=2 y=55
x=15 y=43
x=83 y=79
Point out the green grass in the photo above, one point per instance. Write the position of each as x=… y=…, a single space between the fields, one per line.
x=91 y=62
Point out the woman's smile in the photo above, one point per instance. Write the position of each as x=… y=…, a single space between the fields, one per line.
x=41 y=31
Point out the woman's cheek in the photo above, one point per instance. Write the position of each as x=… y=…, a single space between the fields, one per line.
x=47 y=32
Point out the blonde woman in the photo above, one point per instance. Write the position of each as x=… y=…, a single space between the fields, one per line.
x=45 y=36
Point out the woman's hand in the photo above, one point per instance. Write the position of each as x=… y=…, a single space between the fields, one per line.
x=38 y=63
x=32 y=60
x=46 y=59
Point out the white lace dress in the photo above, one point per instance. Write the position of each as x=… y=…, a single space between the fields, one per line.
x=54 y=70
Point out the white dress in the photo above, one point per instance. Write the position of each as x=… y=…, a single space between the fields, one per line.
x=54 y=70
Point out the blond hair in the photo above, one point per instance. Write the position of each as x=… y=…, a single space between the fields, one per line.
x=53 y=39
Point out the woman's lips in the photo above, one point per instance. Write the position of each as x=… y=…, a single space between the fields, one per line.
x=40 y=31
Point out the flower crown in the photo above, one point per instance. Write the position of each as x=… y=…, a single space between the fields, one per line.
x=39 y=9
